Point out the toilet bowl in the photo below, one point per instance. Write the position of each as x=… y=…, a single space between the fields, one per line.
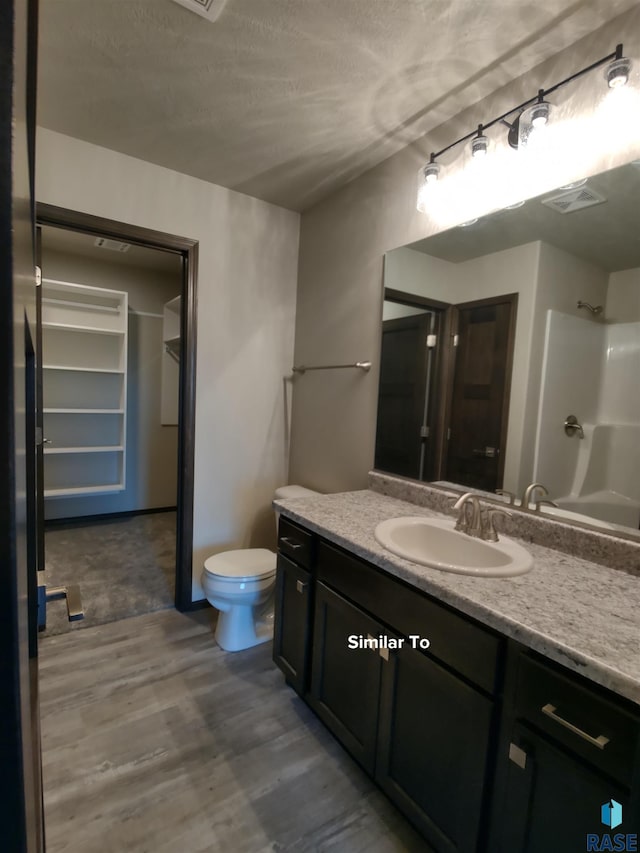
x=240 y=585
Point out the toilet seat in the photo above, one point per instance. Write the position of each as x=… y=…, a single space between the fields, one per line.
x=244 y=564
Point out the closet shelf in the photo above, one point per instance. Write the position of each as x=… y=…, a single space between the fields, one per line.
x=81 y=369
x=81 y=306
x=83 y=490
x=107 y=448
x=83 y=411
x=72 y=327
x=84 y=344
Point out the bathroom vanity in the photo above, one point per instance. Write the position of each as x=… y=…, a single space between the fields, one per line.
x=498 y=714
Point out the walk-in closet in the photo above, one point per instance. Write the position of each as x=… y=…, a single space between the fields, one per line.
x=110 y=388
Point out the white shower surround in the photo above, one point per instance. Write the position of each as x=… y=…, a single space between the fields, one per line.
x=594 y=475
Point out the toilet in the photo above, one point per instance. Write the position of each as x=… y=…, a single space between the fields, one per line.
x=240 y=585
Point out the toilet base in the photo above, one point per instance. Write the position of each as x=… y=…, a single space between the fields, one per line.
x=238 y=628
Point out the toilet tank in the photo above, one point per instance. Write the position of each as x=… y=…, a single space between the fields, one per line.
x=286 y=492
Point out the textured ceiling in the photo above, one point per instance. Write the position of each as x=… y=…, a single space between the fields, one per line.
x=285 y=100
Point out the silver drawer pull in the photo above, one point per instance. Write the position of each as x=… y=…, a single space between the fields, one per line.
x=290 y=542
x=601 y=741
x=300 y=586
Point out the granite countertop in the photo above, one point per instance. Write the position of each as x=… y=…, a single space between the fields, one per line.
x=583 y=615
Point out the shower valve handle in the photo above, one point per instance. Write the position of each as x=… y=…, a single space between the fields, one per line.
x=572 y=426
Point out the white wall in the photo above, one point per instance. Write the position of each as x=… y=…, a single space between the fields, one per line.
x=421 y=274
x=571 y=380
x=623 y=297
x=342 y=243
x=152 y=450
x=246 y=308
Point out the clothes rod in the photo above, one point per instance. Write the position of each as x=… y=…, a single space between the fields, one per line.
x=361 y=365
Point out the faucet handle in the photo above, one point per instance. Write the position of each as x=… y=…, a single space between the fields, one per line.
x=506 y=494
x=543 y=502
x=490 y=532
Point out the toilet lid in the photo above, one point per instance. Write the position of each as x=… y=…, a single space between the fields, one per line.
x=245 y=563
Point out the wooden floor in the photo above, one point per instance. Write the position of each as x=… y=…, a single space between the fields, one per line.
x=156 y=741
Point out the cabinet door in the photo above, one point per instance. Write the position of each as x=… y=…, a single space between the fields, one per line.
x=552 y=799
x=292 y=622
x=434 y=738
x=345 y=683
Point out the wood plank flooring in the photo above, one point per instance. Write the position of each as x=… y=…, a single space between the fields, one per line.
x=157 y=741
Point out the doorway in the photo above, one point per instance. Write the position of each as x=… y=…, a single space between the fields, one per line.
x=445 y=381
x=101 y=484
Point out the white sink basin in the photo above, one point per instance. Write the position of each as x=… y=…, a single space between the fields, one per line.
x=435 y=542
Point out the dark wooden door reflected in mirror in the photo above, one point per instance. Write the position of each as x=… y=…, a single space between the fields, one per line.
x=410 y=367
x=477 y=430
x=445 y=375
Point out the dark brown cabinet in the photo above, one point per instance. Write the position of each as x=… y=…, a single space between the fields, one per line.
x=345 y=683
x=293 y=601
x=484 y=745
x=434 y=735
x=293 y=598
x=553 y=800
x=568 y=749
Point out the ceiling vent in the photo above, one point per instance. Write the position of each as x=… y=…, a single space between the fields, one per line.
x=112 y=245
x=209 y=9
x=572 y=200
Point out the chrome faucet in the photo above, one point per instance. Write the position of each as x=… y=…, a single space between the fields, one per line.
x=473 y=527
x=529 y=492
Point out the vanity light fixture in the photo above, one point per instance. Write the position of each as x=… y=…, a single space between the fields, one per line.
x=539 y=113
x=431 y=171
x=426 y=176
x=530 y=117
x=617 y=71
x=479 y=144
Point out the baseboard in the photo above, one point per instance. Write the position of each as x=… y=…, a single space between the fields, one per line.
x=105 y=516
x=202 y=604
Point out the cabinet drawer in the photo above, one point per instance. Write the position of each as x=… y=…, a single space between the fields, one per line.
x=456 y=641
x=295 y=543
x=568 y=709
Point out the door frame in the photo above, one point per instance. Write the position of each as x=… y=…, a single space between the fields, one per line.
x=71 y=220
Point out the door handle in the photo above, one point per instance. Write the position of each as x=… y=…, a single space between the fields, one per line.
x=291 y=542
x=489 y=452
x=301 y=586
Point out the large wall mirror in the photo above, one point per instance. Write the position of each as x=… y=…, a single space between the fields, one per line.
x=511 y=352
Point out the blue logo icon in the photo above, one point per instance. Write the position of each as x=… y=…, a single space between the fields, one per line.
x=611 y=814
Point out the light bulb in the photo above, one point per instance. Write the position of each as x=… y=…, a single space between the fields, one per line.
x=479 y=146
x=431 y=172
x=427 y=177
x=617 y=72
x=540 y=113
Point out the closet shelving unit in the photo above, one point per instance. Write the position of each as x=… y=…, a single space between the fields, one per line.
x=170 y=361
x=84 y=353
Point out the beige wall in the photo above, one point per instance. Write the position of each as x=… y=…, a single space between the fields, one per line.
x=500 y=273
x=342 y=243
x=152 y=450
x=246 y=309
